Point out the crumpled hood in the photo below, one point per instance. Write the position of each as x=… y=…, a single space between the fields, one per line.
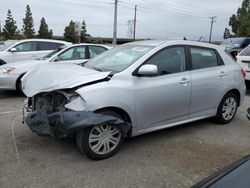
x=52 y=77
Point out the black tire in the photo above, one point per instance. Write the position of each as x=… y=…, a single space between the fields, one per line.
x=247 y=84
x=219 y=116
x=2 y=62
x=82 y=141
x=19 y=85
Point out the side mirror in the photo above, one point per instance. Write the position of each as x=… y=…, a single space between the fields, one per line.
x=13 y=50
x=148 y=70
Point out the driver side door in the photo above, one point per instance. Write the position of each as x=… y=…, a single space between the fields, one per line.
x=164 y=98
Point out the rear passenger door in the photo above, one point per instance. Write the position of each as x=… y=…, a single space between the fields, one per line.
x=209 y=77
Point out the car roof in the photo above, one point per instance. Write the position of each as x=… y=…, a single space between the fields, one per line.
x=156 y=43
x=91 y=44
x=45 y=40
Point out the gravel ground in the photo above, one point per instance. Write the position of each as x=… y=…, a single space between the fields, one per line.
x=175 y=157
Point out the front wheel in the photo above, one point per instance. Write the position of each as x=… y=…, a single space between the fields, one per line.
x=227 y=108
x=99 y=142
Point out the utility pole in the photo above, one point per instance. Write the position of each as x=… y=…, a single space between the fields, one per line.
x=211 y=28
x=115 y=24
x=135 y=21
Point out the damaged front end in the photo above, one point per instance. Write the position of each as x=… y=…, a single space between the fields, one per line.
x=51 y=114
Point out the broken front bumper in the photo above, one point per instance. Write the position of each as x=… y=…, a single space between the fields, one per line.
x=67 y=123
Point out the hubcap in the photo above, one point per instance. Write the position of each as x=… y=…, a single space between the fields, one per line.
x=104 y=139
x=229 y=108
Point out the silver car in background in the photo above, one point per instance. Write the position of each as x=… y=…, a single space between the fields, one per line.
x=11 y=73
x=244 y=60
x=28 y=49
x=131 y=90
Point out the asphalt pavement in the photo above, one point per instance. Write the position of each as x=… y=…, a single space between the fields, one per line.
x=174 y=157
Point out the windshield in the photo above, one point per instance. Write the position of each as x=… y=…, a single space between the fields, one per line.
x=119 y=58
x=245 y=52
x=233 y=41
x=52 y=53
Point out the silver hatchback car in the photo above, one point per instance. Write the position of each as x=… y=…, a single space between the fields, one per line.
x=130 y=90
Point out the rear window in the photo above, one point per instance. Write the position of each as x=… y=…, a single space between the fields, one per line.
x=49 y=45
x=245 y=52
x=203 y=58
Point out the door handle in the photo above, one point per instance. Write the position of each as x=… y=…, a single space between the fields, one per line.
x=222 y=74
x=184 y=81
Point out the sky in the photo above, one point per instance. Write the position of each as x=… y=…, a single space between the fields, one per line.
x=156 y=19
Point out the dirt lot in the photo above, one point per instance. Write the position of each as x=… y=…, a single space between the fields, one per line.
x=175 y=157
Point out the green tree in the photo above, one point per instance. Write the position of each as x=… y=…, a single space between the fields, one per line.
x=227 y=33
x=28 y=24
x=83 y=32
x=44 y=31
x=70 y=34
x=10 y=28
x=240 y=22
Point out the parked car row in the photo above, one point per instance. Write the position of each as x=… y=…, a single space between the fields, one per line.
x=132 y=89
x=29 y=49
x=11 y=73
x=235 y=45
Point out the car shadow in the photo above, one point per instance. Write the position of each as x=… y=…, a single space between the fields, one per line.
x=10 y=94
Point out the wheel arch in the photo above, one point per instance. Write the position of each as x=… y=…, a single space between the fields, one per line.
x=125 y=116
x=18 y=80
x=237 y=93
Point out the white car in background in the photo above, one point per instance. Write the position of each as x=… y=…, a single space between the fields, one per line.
x=29 y=49
x=11 y=74
x=244 y=60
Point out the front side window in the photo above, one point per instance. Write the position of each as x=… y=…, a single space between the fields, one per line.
x=95 y=51
x=73 y=53
x=119 y=58
x=169 y=61
x=245 y=52
x=26 y=46
x=203 y=58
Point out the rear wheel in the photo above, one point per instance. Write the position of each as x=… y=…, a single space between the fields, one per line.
x=227 y=108
x=99 y=142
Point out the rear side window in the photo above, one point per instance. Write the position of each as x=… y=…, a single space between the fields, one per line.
x=48 y=45
x=203 y=58
x=26 y=47
x=95 y=51
x=245 y=52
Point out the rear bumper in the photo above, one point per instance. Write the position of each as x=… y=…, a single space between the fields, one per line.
x=8 y=81
x=67 y=123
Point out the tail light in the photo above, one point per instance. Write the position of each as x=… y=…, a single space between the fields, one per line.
x=243 y=72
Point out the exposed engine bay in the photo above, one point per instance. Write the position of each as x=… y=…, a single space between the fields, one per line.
x=46 y=115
